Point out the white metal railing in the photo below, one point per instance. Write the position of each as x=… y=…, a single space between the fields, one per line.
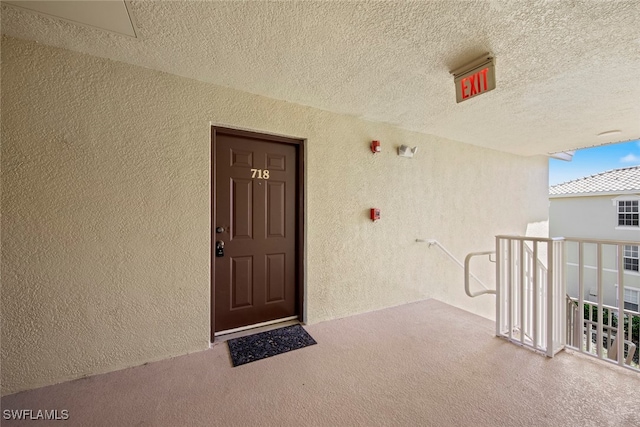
x=534 y=307
x=585 y=338
x=530 y=305
x=465 y=266
x=467 y=273
x=593 y=326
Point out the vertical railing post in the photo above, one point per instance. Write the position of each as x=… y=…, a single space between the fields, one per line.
x=599 y=343
x=550 y=311
x=498 y=287
x=521 y=272
x=549 y=302
x=561 y=288
x=581 y=324
x=563 y=281
x=509 y=286
x=534 y=285
x=620 y=333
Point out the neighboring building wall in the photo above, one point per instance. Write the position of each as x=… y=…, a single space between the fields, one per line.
x=106 y=211
x=593 y=217
x=609 y=274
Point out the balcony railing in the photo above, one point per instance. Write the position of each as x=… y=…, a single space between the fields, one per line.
x=529 y=310
x=584 y=336
x=541 y=284
x=593 y=327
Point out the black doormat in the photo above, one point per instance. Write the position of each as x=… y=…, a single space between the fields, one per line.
x=266 y=344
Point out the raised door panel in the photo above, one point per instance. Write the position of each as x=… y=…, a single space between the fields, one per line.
x=276 y=277
x=276 y=211
x=241 y=208
x=241 y=282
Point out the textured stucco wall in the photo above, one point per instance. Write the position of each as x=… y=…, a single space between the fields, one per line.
x=105 y=211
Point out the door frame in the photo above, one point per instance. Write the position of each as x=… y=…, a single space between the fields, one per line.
x=300 y=213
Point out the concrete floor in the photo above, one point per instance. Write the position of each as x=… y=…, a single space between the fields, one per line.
x=421 y=364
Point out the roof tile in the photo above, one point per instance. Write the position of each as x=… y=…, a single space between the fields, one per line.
x=624 y=179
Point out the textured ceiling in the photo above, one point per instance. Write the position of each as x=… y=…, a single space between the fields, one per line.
x=566 y=70
x=107 y=15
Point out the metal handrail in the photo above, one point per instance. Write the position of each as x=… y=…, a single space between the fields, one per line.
x=467 y=259
x=432 y=242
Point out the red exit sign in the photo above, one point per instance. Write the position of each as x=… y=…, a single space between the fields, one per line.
x=475 y=80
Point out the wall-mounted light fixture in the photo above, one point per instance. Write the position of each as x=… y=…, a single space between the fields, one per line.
x=375 y=147
x=405 y=151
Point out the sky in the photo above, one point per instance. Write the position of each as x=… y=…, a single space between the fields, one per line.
x=590 y=161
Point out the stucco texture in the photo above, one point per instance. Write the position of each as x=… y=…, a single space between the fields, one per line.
x=565 y=70
x=106 y=211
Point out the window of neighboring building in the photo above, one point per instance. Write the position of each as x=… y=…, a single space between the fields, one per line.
x=631 y=299
x=630 y=259
x=628 y=213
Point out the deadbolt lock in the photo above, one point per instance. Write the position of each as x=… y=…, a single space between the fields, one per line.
x=219 y=248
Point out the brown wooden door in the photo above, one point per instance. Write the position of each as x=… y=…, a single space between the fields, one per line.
x=256 y=218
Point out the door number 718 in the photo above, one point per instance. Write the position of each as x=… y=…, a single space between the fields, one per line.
x=260 y=173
